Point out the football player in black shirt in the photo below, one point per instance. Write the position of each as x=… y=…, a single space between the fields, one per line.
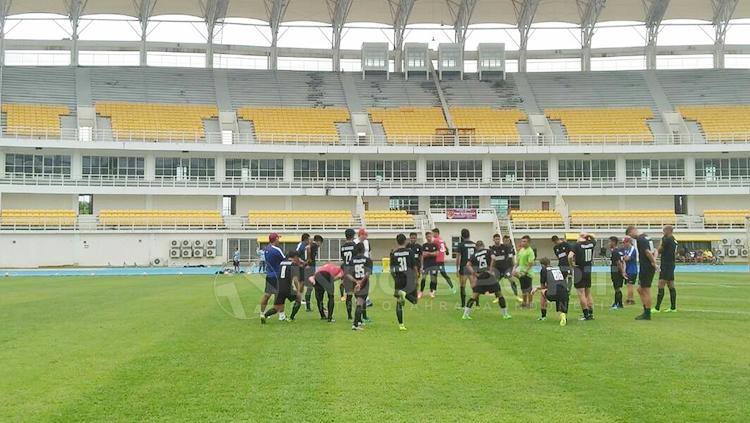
x=561 y=248
x=581 y=260
x=310 y=265
x=429 y=264
x=403 y=271
x=616 y=271
x=647 y=260
x=347 y=286
x=667 y=254
x=288 y=274
x=483 y=281
x=417 y=249
x=465 y=251
x=553 y=287
x=510 y=263
x=360 y=276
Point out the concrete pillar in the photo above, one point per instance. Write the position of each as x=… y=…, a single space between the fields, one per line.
x=2 y=165
x=621 y=170
x=356 y=169
x=421 y=170
x=553 y=168
x=487 y=172
x=690 y=171
x=221 y=168
x=288 y=169
x=76 y=165
x=149 y=167
x=424 y=203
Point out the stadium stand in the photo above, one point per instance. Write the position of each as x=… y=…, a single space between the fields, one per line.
x=37 y=218
x=615 y=89
x=604 y=124
x=257 y=88
x=156 y=121
x=409 y=121
x=39 y=85
x=621 y=218
x=163 y=218
x=379 y=219
x=273 y=123
x=471 y=92
x=536 y=219
x=295 y=219
x=494 y=125
x=725 y=218
x=702 y=87
x=377 y=92
x=33 y=119
x=718 y=122
x=149 y=84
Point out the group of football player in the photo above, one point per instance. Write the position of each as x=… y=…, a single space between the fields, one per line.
x=294 y=276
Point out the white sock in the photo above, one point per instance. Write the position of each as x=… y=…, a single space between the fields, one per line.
x=282 y=316
x=505 y=311
x=467 y=311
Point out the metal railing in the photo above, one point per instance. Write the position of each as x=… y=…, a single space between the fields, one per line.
x=188 y=137
x=134 y=182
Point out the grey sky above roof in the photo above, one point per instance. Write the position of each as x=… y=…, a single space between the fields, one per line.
x=380 y=11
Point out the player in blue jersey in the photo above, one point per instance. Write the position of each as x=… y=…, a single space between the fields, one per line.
x=274 y=256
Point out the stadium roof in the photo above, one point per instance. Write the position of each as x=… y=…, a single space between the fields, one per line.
x=380 y=11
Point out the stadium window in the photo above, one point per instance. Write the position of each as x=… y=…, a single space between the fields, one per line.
x=454 y=202
x=98 y=166
x=322 y=169
x=184 y=168
x=86 y=204
x=718 y=169
x=452 y=170
x=408 y=203
x=37 y=165
x=576 y=170
x=255 y=169
x=644 y=169
x=505 y=203
x=520 y=170
x=388 y=170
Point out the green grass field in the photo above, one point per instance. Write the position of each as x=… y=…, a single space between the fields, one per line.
x=164 y=349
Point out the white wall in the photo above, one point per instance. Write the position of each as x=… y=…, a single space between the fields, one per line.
x=651 y=202
x=535 y=203
x=323 y=203
x=191 y=202
x=698 y=204
x=119 y=202
x=377 y=203
x=40 y=201
x=247 y=203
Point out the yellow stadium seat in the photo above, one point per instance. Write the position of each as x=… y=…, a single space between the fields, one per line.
x=141 y=218
x=621 y=218
x=536 y=219
x=725 y=218
x=489 y=125
x=37 y=218
x=295 y=124
x=389 y=219
x=605 y=125
x=720 y=123
x=402 y=123
x=37 y=120
x=140 y=121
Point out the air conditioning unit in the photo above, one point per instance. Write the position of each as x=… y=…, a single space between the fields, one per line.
x=186 y=253
x=175 y=243
x=158 y=262
x=732 y=252
x=185 y=243
x=211 y=243
x=198 y=252
x=174 y=253
x=738 y=241
x=198 y=243
x=744 y=252
x=210 y=252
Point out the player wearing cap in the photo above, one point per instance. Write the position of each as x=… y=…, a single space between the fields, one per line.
x=323 y=281
x=480 y=268
x=403 y=271
x=274 y=257
x=287 y=276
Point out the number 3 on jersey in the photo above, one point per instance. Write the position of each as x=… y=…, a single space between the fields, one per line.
x=402 y=264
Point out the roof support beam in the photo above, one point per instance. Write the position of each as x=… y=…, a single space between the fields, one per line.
x=275 y=10
x=144 y=9
x=655 y=10
x=75 y=9
x=214 y=11
x=338 y=10
x=525 y=12
x=462 y=10
x=589 y=11
x=400 y=11
x=723 y=12
x=4 y=10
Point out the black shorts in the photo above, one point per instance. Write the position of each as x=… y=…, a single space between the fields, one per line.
x=486 y=284
x=501 y=272
x=348 y=286
x=364 y=291
x=667 y=272
x=272 y=285
x=560 y=295
x=582 y=278
x=236 y=263
x=286 y=293
x=646 y=277
x=403 y=282
x=617 y=280
x=632 y=278
x=565 y=271
x=463 y=271
x=525 y=281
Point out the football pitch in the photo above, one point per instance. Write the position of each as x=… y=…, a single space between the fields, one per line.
x=176 y=348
